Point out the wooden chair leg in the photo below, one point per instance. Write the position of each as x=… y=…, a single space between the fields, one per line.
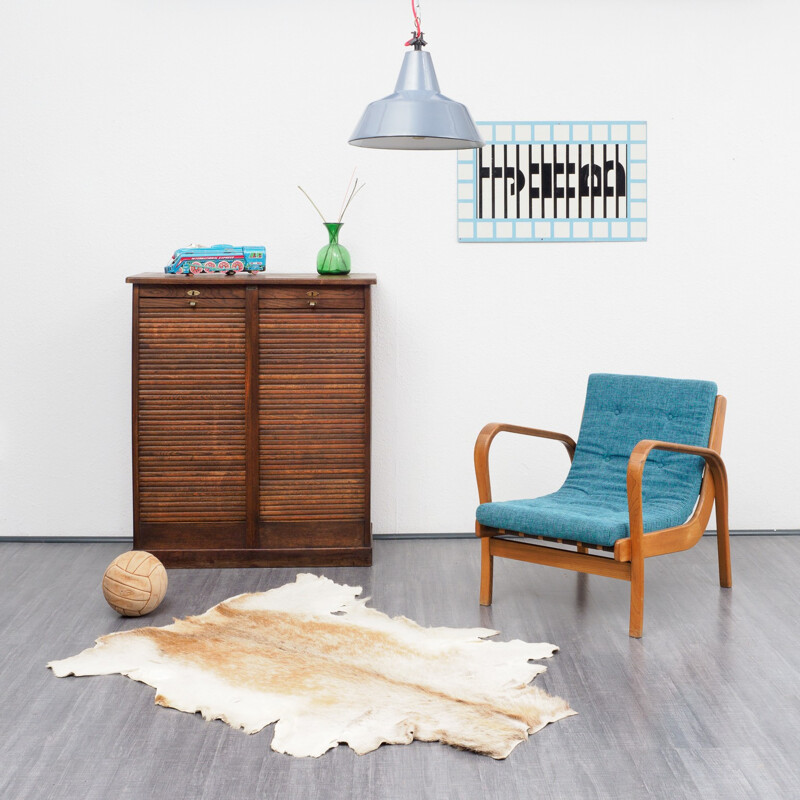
x=487 y=572
x=723 y=533
x=724 y=553
x=637 y=598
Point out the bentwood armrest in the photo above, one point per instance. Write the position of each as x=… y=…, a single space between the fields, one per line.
x=484 y=441
x=636 y=464
x=589 y=513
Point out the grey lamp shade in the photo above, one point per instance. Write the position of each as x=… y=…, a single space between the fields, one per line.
x=416 y=116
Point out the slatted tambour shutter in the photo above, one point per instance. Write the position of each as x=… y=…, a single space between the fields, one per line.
x=191 y=411
x=251 y=419
x=312 y=426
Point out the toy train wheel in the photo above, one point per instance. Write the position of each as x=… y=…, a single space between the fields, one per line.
x=195 y=267
x=237 y=265
x=223 y=266
x=209 y=266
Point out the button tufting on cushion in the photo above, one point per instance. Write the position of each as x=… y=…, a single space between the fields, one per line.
x=592 y=505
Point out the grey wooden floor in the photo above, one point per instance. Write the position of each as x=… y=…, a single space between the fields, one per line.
x=705 y=705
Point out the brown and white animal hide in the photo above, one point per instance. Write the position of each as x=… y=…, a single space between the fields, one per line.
x=327 y=669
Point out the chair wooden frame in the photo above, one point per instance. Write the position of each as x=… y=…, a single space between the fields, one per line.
x=629 y=554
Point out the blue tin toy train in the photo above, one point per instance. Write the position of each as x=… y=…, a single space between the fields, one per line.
x=219 y=258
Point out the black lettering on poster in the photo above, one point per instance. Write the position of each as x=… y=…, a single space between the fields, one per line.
x=592 y=174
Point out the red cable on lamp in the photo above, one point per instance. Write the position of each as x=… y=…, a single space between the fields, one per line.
x=416 y=23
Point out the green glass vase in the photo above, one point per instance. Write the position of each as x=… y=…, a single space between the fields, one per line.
x=333 y=259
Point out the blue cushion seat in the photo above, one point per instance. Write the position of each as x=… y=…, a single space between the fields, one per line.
x=592 y=505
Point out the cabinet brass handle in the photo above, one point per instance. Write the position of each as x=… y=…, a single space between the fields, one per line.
x=193 y=303
x=312 y=303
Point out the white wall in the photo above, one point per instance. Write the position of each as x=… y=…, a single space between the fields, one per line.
x=128 y=129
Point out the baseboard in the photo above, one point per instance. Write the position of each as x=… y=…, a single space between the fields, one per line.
x=470 y=535
x=389 y=536
x=383 y=536
x=69 y=539
x=765 y=532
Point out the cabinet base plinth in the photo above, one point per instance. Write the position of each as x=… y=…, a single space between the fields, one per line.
x=321 y=557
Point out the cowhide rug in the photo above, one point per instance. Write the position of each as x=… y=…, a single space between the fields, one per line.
x=327 y=669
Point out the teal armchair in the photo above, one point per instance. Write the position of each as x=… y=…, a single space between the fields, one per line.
x=645 y=473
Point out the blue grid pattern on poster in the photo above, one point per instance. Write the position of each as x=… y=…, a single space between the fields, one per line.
x=631 y=227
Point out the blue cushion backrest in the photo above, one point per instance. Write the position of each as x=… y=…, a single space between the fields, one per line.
x=620 y=411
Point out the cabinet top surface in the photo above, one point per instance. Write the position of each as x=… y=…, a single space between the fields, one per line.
x=299 y=278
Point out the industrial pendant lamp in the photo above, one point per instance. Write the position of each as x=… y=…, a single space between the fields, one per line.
x=416 y=116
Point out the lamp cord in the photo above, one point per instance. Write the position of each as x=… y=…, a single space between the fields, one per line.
x=416 y=35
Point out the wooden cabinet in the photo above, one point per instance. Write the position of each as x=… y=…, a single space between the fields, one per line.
x=251 y=419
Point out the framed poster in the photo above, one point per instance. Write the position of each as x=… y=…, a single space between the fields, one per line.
x=554 y=182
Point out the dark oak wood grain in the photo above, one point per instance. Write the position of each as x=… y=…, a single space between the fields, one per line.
x=229 y=557
x=190 y=458
x=252 y=442
x=190 y=292
x=251 y=419
x=321 y=297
